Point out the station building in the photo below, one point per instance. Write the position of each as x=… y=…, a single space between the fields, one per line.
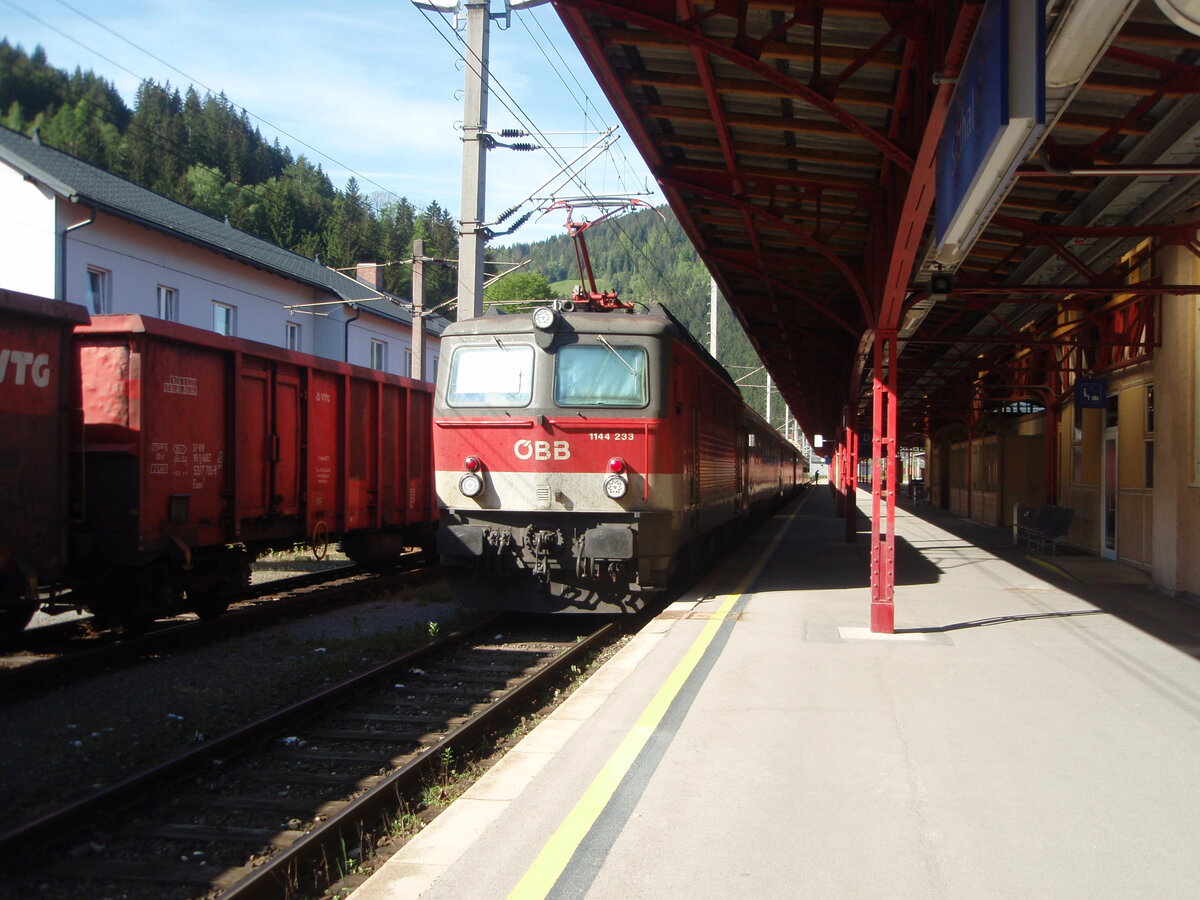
x=1122 y=451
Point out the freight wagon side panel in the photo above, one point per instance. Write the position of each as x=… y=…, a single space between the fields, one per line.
x=269 y=449
x=36 y=367
x=253 y=404
x=362 y=484
x=289 y=444
x=185 y=444
x=393 y=433
x=326 y=441
x=156 y=447
x=420 y=500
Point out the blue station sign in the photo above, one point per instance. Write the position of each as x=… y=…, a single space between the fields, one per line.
x=996 y=115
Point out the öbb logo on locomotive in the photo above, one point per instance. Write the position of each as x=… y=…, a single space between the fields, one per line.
x=542 y=450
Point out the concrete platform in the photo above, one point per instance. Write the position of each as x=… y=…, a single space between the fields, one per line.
x=1022 y=735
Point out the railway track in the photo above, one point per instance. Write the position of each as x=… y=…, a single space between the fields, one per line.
x=71 y=653
x=270 y=810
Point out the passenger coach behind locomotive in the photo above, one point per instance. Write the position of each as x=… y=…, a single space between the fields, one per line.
x=585 y=458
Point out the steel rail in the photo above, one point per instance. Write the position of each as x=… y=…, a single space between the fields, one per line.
x=17 y=681
x=307 y=857
x=271 y=880
x=73 y=815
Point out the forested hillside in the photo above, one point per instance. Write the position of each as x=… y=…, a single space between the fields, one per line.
x=204 y=152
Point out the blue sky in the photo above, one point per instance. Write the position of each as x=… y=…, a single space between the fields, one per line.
x=366 y=88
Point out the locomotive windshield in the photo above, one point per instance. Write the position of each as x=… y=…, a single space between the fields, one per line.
x=600 y=375
x=491 y=376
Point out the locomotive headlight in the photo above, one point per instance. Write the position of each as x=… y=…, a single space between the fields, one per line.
x=543 y=318
x=615 y=487
x=471 y=485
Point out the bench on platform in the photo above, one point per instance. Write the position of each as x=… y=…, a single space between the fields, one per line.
x=1044 y=530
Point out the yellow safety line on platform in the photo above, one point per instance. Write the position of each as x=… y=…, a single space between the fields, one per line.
x=542 y=874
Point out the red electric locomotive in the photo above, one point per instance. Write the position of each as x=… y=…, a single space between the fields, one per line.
x=585 y=455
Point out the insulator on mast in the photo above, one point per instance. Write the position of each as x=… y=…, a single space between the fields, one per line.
x=521 y=221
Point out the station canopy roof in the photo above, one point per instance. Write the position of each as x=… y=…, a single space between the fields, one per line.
x=798 y=141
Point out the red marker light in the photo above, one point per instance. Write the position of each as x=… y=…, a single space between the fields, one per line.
x=616 y=465
x=471 y=463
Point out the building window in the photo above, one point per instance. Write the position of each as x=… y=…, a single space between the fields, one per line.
x=407 y=361
x=1111 y=411
x=1149 y=409
x=1149 y=464
x=292 y=335
x=224 y=318
x=99 y=291
x=168 y=304
x=379 y=355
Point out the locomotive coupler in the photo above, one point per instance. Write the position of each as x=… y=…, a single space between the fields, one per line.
x=541 y=543
x=499 y=541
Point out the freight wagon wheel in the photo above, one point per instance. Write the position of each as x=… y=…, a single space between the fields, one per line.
x=211 y=603
x=13 y=620
x=319 y=542
x=15 y=612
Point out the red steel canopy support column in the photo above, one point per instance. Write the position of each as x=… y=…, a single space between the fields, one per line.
x=850 y=483
x=883 y=485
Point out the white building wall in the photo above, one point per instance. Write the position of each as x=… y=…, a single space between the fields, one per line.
x=370 y=327
x=28 y=240
x=139 y=260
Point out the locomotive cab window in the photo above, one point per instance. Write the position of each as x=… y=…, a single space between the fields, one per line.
x=600 y=375
x=493 y=375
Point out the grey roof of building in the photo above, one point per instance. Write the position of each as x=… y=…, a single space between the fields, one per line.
x=82 y=182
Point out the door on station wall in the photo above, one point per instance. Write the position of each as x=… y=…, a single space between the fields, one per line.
x=1109 y=492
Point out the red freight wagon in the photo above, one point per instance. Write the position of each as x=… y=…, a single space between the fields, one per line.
x=202 y=450
x=35 y=393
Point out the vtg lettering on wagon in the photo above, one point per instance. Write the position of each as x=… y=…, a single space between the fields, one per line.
x=21 y=367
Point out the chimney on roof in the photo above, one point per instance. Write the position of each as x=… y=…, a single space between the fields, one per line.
x=370 y=273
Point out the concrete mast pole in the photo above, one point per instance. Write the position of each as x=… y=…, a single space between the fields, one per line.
x=768 y=398
x=418 y=305
x=471 y=234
